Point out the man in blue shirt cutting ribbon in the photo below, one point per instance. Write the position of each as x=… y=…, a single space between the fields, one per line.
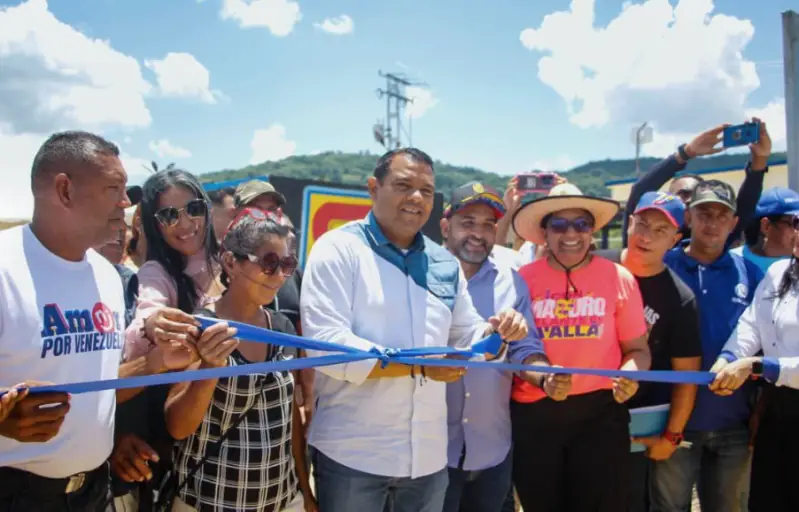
x=379 y=432
x=478 y=405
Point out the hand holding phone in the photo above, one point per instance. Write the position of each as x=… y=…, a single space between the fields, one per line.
x=741 y=134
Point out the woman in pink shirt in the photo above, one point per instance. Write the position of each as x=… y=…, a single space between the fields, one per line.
x=182 y=268
x=570 y=449
x=181 y=273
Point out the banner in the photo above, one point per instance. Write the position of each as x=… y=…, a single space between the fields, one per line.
x=326 y=208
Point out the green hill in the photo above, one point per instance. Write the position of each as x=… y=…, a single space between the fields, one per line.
x=354 y=168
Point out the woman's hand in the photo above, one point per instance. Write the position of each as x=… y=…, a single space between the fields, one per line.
x=171 y=325
x=216 y=343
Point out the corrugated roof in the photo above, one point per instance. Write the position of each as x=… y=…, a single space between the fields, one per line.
x=689 y=171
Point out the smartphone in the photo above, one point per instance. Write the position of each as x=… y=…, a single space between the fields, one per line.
x=526 y=182
x=536 y=181
x=741 y=134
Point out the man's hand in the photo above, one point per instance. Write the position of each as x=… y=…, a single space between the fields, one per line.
x=36 y=418
x=167 y=357
x=216 y=343
x=657 y=447
x=10 y=399
x=557 y=386
x=624 y=389
x=130 y=457
x=707 y=143
x=512 y=198
x=171 y=325
x=731 y=376
x=761 y=151
x=509 y=324
x=444 y=373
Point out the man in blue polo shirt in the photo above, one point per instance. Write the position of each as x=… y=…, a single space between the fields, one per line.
x=478 y=405
x=724 y=284
x=379 y=433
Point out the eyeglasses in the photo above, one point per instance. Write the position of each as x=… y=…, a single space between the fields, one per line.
x=271 y=261
x=560 y=225
x=170 y=216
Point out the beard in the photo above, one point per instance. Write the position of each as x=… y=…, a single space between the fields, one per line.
x=473 y=256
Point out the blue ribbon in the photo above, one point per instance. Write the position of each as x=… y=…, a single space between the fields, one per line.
x=411 y=356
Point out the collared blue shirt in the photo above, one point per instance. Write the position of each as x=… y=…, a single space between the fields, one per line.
x=723 y=290
x=360 y=290
x=478 y=405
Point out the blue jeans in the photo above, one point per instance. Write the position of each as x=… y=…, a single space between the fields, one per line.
x=343 y=489
x=718 y=462
x=479 y=491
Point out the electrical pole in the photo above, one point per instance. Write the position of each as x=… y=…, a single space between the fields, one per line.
x=790 y=52
x=389 y=131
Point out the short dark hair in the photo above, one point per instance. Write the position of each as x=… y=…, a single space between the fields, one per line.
x=68 y=149
x=218 y=196
x=383 y=165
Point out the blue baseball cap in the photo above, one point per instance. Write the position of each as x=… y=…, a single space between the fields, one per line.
x=777 y=201
x=669 y=204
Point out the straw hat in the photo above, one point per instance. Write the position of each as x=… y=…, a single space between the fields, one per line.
x=565 y=196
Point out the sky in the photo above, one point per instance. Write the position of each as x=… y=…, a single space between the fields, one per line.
x=506 y=85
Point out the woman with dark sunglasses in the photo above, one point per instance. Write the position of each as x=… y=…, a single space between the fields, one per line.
x=570 y=447
x=182 y=268
x=180 y=275
x=253 y=467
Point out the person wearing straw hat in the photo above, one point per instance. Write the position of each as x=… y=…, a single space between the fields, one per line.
x=570 y=452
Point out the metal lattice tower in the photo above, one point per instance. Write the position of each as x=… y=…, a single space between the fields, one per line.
x=389 y=131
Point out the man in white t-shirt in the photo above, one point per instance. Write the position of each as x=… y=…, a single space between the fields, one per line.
x=62 y=321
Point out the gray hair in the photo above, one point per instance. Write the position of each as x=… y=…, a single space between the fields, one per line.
x=74 y=149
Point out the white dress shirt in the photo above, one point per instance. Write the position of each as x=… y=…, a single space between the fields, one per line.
x=770 y=324
x=360 y=290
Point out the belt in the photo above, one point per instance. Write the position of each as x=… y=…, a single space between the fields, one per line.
x=18 y=480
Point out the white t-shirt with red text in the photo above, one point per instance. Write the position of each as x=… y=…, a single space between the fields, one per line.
x=61 y=322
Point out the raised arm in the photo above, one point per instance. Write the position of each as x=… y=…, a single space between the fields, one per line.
x=706 y=143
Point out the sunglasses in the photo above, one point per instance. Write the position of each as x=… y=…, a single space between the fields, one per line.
x=560 y=225
x=271 y=261
x=170 y=216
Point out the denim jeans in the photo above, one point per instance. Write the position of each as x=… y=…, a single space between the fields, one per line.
x=343 y=489
x=479 y=491
x=718 y=462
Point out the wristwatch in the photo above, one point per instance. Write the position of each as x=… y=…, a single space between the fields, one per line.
x=757 y=369
x=683 y=154
x=674 y=438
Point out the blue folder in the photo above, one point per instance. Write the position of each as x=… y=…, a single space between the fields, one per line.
x=647 y=421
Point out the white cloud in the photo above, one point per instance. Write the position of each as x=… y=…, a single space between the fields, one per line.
x=279 y=16
x=165 y=149
x=271 y=144
x=55 y=77
x=679 y=67
x=423 y=100
x=338 y=26
x=182 y=75
x=560 y=163
x=773 y=115
x=16 y=156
